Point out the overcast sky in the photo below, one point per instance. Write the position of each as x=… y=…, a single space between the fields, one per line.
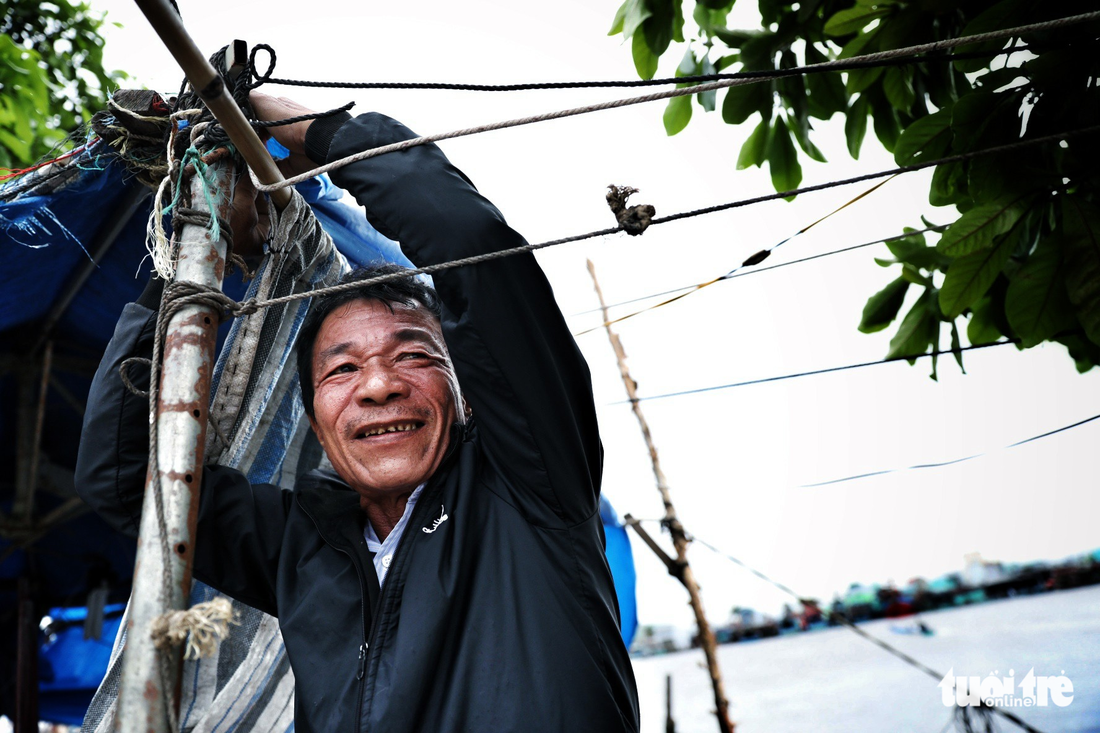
x=737 y=459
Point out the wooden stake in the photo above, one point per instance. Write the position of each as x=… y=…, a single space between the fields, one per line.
x=679 y=568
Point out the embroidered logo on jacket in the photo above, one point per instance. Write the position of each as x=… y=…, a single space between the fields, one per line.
x=442 y=518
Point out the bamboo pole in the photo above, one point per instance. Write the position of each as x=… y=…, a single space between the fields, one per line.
x=149 y=685
x=210 y=87
x=680 y=567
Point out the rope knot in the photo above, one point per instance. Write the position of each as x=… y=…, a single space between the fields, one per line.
x=634 y=219
x=203 y=626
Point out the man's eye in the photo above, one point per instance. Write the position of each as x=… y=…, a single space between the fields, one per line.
x=343 y=369
x=414 y=355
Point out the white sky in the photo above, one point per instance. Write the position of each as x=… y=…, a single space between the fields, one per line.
x=735 y=459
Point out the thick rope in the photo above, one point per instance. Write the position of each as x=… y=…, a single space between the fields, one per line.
x=671 y=93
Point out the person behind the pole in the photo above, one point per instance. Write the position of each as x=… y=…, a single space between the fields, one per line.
x=449 y=575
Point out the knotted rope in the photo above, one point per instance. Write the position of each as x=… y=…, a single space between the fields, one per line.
x=633 y=220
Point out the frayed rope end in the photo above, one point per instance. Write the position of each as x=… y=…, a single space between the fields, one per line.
x=203 y=626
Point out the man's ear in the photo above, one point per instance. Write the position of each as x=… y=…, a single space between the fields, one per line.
x=313 y=424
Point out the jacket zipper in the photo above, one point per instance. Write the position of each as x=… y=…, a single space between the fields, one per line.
x=361 y=666
x=415 y=519
x=365 y=648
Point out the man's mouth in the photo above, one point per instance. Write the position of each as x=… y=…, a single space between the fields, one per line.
x=399 y=427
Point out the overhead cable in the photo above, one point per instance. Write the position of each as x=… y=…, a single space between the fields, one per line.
x=954 y=461
x=828 y=370
x=751 y=261
x=733 y=274
x=668 y=94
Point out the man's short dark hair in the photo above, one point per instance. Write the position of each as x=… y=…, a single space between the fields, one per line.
x=407 y=291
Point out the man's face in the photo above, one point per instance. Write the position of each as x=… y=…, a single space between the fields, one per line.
x=383 y=402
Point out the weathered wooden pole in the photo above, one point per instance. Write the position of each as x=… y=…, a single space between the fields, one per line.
x=678 y=567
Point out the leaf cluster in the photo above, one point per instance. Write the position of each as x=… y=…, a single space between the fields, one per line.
x=52 y=77
x=1023 y=259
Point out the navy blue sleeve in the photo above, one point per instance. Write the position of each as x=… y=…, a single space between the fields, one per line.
x=517 y=362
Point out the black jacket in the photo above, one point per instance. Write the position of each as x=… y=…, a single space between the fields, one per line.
x=502 y=619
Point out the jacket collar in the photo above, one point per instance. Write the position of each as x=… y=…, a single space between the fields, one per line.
x=334 y=505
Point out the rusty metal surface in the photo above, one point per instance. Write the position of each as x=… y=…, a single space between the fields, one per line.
x=188 y=366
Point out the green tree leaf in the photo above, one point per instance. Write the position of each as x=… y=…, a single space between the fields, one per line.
x=918 y=329
x=1036 y=303
x=645 y=62
x=970 y=276
x=976 y=229
x=741 y=101
x=677 y=114
x=882 y=307
x=948 y=184
x=855 y=126
x=956 y=346
x=620 y=17
x=826 y=90
x=707 y=99
x=636 y=12
x=1082 y=246
x=853 y=20
x=1005 y=14
x=755 y=149
x=898 y=87
x=982 y=327
x=782 y=159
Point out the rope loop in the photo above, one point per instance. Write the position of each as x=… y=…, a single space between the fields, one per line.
x=633 y=220
x=124 y=374
x=264 y=124
x=260 y=79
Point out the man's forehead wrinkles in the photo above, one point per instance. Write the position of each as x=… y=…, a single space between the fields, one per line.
x=334 y=350
x=415 y=334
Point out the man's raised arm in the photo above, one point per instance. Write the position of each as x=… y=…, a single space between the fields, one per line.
x=517 y=363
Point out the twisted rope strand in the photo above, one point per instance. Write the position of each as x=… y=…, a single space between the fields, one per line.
x=669 y=94
x=849 y=65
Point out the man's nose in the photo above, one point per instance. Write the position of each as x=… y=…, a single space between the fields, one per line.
x=380 y=383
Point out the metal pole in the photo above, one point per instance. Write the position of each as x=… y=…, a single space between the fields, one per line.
x=210 y=87
x=188 y=365
x=33 y=387
x=670 y=723
x=26 y=665
x=679 y=537
x=116 y=222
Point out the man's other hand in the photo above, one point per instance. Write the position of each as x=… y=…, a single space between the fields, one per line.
x=292 y=137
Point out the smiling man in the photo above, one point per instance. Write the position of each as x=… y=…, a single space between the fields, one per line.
x=448 y=574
